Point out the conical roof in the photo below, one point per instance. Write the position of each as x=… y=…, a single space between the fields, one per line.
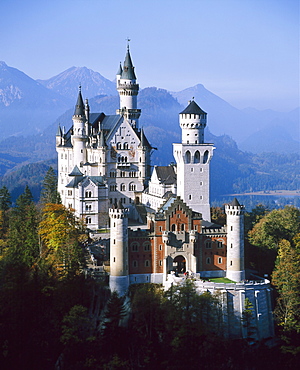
x=128 y=69
x=235 y=203
x=79 y=108
x=193 y=108
x=76 y=172
x=120 y=70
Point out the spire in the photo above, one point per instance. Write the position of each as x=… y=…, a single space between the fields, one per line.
x=142 y=143
x=79 y=108
x=193 y=108
x=120 y=70
x=235 y=203
x=59 y=131
x=101 y=143
x=128 y=70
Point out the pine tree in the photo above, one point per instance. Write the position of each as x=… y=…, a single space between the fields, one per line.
x=49 y=192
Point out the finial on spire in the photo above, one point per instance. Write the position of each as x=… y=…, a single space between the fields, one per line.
x=128 y=40
x=80 y=87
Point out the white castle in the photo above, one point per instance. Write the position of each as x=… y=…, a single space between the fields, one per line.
x=104 y=173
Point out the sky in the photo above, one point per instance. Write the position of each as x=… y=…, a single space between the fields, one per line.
x=245 y=51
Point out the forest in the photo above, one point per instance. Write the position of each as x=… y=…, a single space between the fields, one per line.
x=54 y=316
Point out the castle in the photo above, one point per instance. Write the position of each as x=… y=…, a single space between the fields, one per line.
x=104 y=173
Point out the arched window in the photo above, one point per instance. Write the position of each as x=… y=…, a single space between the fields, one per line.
x=187 y=156
x=173 y=227
x=135 y=247
x=197 y=157
x=147 y=247
x=125 y=146
x=134 y=263
x=208 y=261
x=182 y=227
x=88 y=220
x=205 y=156
x=119 y=145
x=147 y=263
x=123 y=187
x=208 y=244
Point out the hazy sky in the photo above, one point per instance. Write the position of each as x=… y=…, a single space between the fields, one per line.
x=245 y=51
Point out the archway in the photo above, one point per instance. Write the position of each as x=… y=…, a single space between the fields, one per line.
x=179 y=264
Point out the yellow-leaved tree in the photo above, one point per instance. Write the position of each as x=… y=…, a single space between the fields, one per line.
x=61 y=233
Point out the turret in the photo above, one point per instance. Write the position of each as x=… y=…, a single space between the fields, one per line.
x=235 y=241
x=59 y=136
x=128 y=90
x=142 y=150
x=102 y=153
x=79 y=137
x=192 y=122
x=193 y=157
x=87 y=116
x=119 y=273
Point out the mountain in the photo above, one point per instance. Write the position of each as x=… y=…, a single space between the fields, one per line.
x=26 y=107
x=92 y=83
x=244 y=126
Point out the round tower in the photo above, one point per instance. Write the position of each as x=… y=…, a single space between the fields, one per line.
x=79 y=134
x=235 y=241
x=119 y=273
x=128 y=90
x=193 y=158
x=192 y=122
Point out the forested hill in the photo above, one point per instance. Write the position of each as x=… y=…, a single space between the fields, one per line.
x=232 y=170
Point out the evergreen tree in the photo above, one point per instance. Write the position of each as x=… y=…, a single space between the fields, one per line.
x=5 y=199
x=23 y=227
x=49 y=193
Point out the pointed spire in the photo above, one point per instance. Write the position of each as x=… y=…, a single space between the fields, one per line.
x=142 y=143
x=120 y=70
x=235 y=203
x=193 y=108
x=79 y=108
x=128 y=70
x=101 y=142
x=59 y=131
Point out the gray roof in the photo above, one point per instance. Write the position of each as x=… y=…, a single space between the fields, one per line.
x=76 y=172
x=97 y=180
x=166 y=174
x=120 y=70
x=193 y=108
x=79 y=108
x=235 y=203
x=128 y=69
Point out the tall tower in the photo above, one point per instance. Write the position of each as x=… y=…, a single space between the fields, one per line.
x=235 y=241
x=119 y=273
x=193 y=160
x=79 y=137
x=128 y=90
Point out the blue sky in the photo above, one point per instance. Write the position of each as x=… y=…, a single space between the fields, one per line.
x=245 y=51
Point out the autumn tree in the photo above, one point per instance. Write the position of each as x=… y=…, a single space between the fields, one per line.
x=61 y=234
x=286 y=278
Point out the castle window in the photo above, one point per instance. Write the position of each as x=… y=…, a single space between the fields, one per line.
x=123 y=187
x=160 y=247
x=201 y=183
x=160 y=262
x=70 y=205
x=192 y=169
x=88 y=194
x=66 y=156
x=220 y=260
x=69 y=192
x=113 y=187
x=173 y=227
x=197 y=156
x=182 y=227
x=231 y=228
x=135 y=247
x=208 y=260
x=88 y=207
x=188 y=157
x=88 y=220
x=219 y=244
x=146 y=246
x=134 y=263
x=62 y=156
x=208 y=244
x=125 y=146
x=230 y=263
x=206 y=156
x=230 y=245
x=147 y=263
x=190 y=196
x=119 y=145
x=132 y=187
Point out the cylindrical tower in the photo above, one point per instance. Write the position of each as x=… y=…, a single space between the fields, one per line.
x=128 y=90
x=235 y=241
x=119 y=273
x=192 y=122
x=79 y=135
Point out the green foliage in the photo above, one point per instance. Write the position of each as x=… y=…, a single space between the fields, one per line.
x=49 y=193
x=5 y=199
x=286 y=278
x=247 y=317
